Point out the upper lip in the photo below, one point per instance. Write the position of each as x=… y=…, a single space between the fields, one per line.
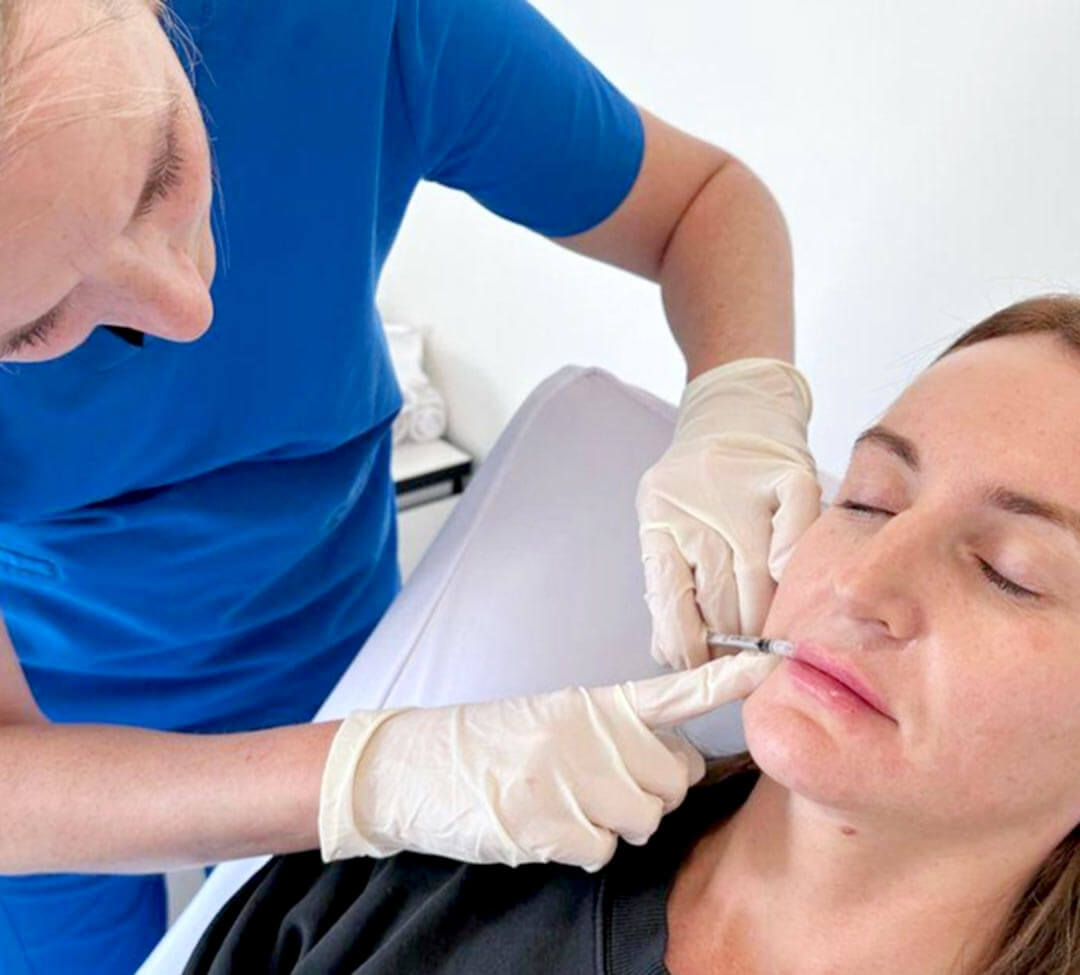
x=814 y=656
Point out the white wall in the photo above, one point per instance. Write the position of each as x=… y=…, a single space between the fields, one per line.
x=926 y=154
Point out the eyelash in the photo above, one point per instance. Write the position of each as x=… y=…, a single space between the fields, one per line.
x=38 y=335
x=993 y=576
x=165 y=178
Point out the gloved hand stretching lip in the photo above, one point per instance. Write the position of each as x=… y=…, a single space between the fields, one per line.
x=550 y=777
x=722 y=509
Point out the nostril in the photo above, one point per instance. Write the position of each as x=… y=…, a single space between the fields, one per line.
x=129 y=335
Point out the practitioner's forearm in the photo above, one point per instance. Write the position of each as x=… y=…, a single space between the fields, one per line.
x=125 y=800
x=726 y=276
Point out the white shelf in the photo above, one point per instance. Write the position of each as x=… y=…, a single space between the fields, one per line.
x=414 y=460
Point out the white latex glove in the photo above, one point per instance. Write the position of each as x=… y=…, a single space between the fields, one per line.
x=555 y=776
x=722 y=509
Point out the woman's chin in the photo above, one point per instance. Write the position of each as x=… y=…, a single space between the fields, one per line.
x=798 y=753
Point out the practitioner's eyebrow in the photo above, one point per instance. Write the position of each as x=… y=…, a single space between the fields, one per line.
x=161 y=171
x=997 y=496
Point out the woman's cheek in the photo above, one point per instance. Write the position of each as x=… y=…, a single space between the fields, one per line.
x=804 y=580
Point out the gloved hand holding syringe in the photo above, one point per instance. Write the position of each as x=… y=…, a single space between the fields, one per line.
x=721 y=511
x=549 y=777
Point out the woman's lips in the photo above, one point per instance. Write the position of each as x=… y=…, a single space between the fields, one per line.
x=834 y=683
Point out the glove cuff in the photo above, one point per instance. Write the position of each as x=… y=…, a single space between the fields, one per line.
x=769 y=397
x=339 y=835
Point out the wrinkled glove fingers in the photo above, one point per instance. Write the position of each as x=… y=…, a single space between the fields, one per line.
x=671 y=699
x=798 y=498
x=664 y=772
x=660 y=769
x=678 y=637
x=756 y=589
x=716 y=589
x=689 y=758
x=589 y=849
x=634 y=817
x=625 y=805
x=640 y=757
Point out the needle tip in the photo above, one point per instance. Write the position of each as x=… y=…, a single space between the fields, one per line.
x=782 y=648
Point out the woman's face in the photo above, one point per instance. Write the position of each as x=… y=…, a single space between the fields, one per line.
x=910 y=581
x=105 y=198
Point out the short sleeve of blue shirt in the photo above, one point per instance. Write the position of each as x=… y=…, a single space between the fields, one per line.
x=504 y=108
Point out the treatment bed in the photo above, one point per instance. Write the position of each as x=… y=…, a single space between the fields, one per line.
x=533 y=584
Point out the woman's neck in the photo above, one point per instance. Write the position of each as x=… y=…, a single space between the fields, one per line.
x=785 y=886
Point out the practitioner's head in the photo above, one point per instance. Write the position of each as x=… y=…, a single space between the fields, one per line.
x=95 y=109
x=938 y=577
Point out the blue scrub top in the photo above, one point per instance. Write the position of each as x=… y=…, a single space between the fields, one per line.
x=201 y=536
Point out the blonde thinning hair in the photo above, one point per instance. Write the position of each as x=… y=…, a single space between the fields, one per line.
x=20 y=47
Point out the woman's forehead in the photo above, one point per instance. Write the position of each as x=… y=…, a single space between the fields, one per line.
x=1010 y=404
x=1010 y=368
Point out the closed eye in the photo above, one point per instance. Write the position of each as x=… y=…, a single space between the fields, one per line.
x=38 y=334
x=1006 y=585
x=863 y=508
x=992 y=575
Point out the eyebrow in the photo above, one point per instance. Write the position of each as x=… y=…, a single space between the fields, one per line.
x=1003 y=498
x=157 y=175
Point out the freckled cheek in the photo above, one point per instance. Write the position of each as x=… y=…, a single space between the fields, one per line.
x=804 y=587
x=1009 y=687
x=1017 y=739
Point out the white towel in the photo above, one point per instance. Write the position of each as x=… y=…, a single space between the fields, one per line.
x=423 y=412
x=426 y=413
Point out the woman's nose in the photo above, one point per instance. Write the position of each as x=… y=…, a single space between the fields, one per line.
x=157 y=290
x=882 y=580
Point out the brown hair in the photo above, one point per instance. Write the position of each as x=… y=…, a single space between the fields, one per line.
x=1055 y=314
x=1041 y=935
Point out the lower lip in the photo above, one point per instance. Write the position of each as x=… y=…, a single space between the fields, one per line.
x=828 y=689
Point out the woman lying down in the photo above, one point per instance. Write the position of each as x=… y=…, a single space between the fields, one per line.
x=915 y=812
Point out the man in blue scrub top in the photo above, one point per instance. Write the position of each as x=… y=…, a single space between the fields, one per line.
x=196 y=536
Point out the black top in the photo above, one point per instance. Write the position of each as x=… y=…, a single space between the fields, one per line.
x=413 y=913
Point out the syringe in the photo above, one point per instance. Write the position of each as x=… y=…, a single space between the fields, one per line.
x=782 y=648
